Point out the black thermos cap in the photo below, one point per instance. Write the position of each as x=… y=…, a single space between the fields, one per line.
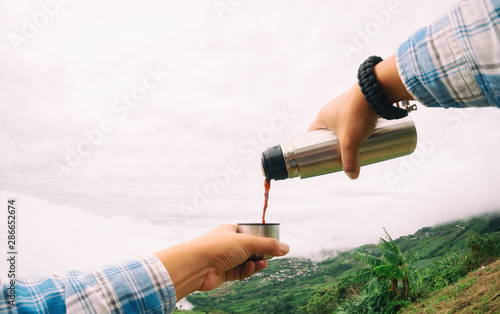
x=273 y=163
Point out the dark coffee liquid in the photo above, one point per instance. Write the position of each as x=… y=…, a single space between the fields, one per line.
x=267 y=187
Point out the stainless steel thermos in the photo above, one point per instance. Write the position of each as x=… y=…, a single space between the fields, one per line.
x=317 y=152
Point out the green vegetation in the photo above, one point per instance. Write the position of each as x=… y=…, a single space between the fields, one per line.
x=392 y=268
x=478 y=292
x=391 y=282
x=383 y=278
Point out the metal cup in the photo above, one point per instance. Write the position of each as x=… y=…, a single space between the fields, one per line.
x=267 y=230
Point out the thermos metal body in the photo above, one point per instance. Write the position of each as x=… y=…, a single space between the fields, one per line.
x=318 y=152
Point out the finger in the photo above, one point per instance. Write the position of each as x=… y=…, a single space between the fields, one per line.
x=319 y=122
x=267 y=246
x=315 y=126
x=249 y=269
x=227 y=228
x=349 y=155
x=260 y=264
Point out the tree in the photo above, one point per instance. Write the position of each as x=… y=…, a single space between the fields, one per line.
x=484 y=249
x=390 y=271
x=327 y=300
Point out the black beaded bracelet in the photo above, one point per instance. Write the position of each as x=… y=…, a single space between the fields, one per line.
x=373 y=92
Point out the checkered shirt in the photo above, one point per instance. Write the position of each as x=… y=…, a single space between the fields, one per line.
x=138 y=285
x=455 y=62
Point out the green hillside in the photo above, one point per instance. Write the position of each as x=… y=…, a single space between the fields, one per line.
x=287 y=285
x=478 y=292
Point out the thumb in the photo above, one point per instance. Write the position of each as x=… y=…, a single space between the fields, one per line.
x=267 y=246
x=349 y=155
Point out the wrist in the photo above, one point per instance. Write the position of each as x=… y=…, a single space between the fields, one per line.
x=387 y=75
x=186 y=266
x=382 y=87
x=361 y=106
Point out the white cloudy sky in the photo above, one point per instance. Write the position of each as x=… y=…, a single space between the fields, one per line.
x=228 y=84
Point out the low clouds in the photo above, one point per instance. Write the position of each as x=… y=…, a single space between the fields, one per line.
x=55 y=238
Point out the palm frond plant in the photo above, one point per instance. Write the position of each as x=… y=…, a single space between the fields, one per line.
x=390 y=270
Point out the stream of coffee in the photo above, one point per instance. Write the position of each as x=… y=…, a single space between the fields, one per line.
x=267 y=187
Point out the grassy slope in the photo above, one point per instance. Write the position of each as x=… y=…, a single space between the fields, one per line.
x=478 y=292
x=301 y=278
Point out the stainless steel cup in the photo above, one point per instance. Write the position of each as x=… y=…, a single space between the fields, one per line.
x=267 y=230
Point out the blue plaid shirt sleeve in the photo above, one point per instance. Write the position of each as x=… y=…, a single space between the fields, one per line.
x=455 y=61
x=138 y=285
